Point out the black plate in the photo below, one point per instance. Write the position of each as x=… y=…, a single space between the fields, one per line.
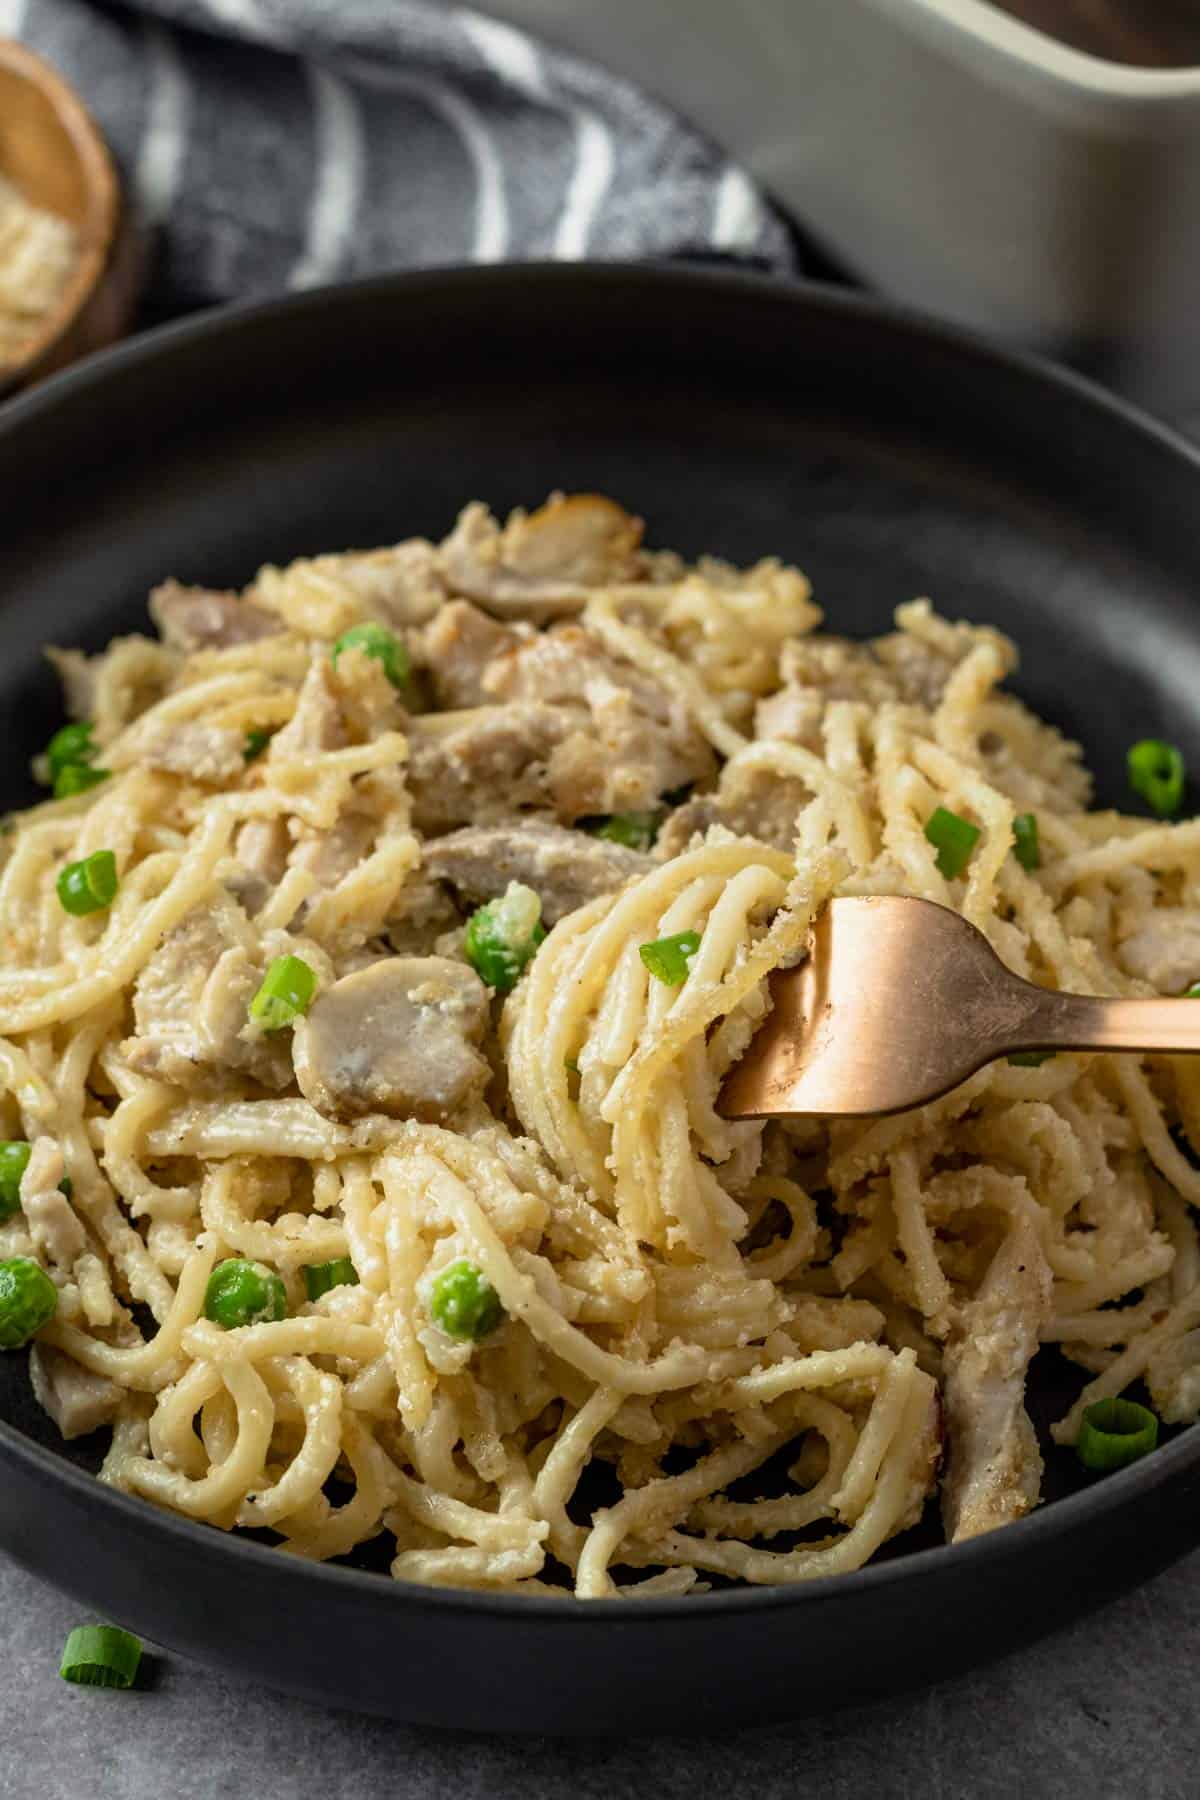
x=889 y=458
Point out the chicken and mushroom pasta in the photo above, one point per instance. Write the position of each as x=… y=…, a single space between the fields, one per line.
x=365 y=993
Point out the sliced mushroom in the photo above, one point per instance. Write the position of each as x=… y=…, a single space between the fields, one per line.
x=395 y=1038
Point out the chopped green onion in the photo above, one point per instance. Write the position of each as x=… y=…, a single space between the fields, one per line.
x=636 y=830
x=571 y=1064
x=1114 y=1433
x=77 y=778
x=286 y=993
x=1026 y=848
x=70 y=744
x=66 y=1186
x=667 y=958
x=28 y=1300
x=101 y=1656
x=953 y=838
x=256 y=743
x=502 y=936
x=1156 y=772
x=244 y=1293
x=89 y=886
x=320 y=1277
x=1193 y=992
x=464 y=1303
x=1030 y=1059
x=377 y=641
x=14 y=1159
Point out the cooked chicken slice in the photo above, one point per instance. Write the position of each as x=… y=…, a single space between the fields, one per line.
x=564 y=868
x=1173 y=1378
x=77 y=673
x=399 y=584
x=49 y=1215
x=569 y=663
x=77 y=1399
x=395 y=1038
x=212 y=754
x=197 y=618
x=317 y=723
x=191 y=1005
x=541 y=564
x=924 y=1460
x=897 y=667
x=330 y=855
x=482 y=764
x=422 y=913
x=261 y=852
x=619 y=760
x=490 y=763
x=995 y=1470
x=793 y=714
x=117 y=686
x=919 y=672
x=1165 y=950
x=636 y=740
x=760 y=805
x=368 y=701
x=457 y=646
x=689 y=820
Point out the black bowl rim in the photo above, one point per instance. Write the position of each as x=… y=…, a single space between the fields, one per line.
x=1114 y=1492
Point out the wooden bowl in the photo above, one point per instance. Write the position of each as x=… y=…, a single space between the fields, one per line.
x=51 y=149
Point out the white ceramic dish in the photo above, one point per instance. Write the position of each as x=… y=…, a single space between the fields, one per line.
x=951 y=157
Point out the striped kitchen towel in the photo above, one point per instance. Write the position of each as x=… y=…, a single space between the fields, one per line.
x=282 y=143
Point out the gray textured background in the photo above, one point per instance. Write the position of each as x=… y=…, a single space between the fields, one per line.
x=1107 y=1710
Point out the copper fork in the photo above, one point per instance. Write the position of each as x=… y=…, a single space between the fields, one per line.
x=900 y=999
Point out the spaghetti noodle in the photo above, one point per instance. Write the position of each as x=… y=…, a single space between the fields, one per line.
x=708 y=1350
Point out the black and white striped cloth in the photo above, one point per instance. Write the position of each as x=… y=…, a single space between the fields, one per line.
x=281 y=143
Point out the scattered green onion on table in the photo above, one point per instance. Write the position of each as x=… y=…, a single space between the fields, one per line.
x=101 y=1656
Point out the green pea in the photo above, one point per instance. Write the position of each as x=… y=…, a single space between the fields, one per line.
x=244 y=1293
x=28 y=1300
x=464 y=1303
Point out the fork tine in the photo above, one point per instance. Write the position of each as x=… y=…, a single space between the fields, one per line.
x=898 y=1001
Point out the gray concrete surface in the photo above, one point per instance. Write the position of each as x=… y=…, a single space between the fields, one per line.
x=1105 y=1711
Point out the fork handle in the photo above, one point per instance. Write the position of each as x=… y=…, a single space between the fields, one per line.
x=1084 y=1022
